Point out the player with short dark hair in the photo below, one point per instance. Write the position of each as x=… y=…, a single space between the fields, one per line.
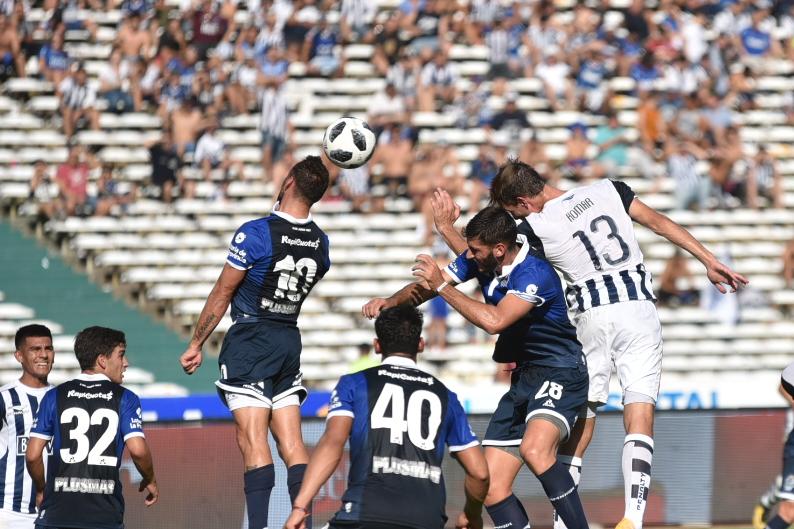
x=587 y=233
x=785 y=494
x=89 y=420
x=399 y=420
x=19 y=405
x=272 y=265
x=525 y=305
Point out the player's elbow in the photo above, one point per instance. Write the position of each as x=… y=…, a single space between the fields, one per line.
x=493 y=326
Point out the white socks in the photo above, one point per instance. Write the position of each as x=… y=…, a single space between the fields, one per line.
x=637 y=457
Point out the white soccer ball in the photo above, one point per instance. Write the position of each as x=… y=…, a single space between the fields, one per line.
x=349 y=142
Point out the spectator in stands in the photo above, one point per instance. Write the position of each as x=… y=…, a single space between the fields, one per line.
x=725 y=161
x=437 y=83
x=651 y=125
x=613 y=147
x=555 y=74
x=242 y=89
x=742 y=88
x=645 y=73
x=764 y=180
x=212 y=153
x=533 y=152
x=365 y=360
x=321 y=51
x=439 y=309
x=757 y=42
x=482 y=172
x=389 y=44
x=304 y=16
x=676 y=271
x=209 y=28
x=788 y=264
x=12 y=58
x=77 y=101
x=692 y=188
x=578 y=165
x=166 y=168
x=172 y=92
x=717 y=118
x=404 y=75
x=74 y=15
x=356 y=17
x=689 y=123
x=394 y=155
x=354 y=185
x=133 y=40
x=274 y=68
x=510 y=119
x=498 y=41
x=114 y=84
x=273 y=127
x=693 y=31
x=185 y=122
x=109 y=194
x=386 y=106
x=53 y=60
x=47 y=201
x=637 y=20
x=72 y=180
x=482 y=14
x=591 y=90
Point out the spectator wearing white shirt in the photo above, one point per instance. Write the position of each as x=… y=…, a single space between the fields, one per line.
x=273 y=127
x=437 y=82
x=77 y=100
x=694 y=34
x=356 y=19
x=386 y=106
x=211 y=153
x=555 y=75
x=114 y=84
x=404 y=75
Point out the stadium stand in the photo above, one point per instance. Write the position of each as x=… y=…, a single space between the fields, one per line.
x=164 y=255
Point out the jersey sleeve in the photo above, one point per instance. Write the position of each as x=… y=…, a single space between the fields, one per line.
x=461 y=269
x=460 y=436
x=529 y=283
x=342 y=398
x=787 y=380
x=625 y=192
x=131 y=416
x=44 y=423
x=248 y=246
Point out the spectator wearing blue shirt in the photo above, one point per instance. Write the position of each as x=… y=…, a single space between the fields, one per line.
x=591 y=90
x=53 y=60
x=320 y=50
x=483 y=171
x=645 y=72
x=757 y=42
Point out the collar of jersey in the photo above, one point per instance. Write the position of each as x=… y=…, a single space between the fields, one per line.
x=293 y=220
x=520 y=256
x=88 y=377
x=400 y=361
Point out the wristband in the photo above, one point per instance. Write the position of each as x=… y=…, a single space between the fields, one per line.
x=305 y=511
x=441 y=287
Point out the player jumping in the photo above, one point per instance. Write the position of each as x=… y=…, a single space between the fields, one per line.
x=587 y=234
x=399 y=419
x=785 y=495
x=525 y=305
x=272 y=265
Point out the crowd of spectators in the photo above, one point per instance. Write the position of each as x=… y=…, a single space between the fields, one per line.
x=196 y=62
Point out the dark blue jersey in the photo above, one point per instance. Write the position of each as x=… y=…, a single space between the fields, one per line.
x=545 y=336
x=285 y=257
x=88 y=419
x=402 y=420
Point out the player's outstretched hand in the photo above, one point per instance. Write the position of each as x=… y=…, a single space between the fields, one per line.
x=427 y=270
x=468 y=522
x=445 y=210
x=720 y=274
x=152 y=492
x=373 y=307
x=296 y=520
x=191 y=360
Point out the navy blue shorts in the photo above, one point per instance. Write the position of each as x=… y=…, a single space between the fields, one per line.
x=261 y=360
x=556 y=393
x=786 y=491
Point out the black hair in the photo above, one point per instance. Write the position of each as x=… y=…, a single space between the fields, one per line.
x=92 y=342
x=515 y=179
x=34 y=330
x=311 y=178
x=399 y=329
x=491 y=226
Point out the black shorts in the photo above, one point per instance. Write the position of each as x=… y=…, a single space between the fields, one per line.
x=364 y=525
x=261 y=360
x=555 y=393
x=786 y=491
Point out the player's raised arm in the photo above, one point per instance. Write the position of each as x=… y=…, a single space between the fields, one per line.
x=493 y=319
x=414 y=293
x=322 y=464
x=142 y=457
x=214 y=309
x=718 y=273
x=445 y=212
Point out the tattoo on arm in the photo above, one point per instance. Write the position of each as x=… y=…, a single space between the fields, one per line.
x=205 y=327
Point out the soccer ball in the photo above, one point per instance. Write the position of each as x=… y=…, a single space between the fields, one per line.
x=349 y=142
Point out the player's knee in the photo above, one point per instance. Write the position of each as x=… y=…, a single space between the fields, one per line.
x=786 y=511
x=497 y=491
x=251 y=440
x=537 y=456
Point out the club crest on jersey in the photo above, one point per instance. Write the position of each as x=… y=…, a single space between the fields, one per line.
x=239 y=238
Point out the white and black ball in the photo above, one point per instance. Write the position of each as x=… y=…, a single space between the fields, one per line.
x=349 y=142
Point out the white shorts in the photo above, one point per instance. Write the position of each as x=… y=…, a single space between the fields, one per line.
x=15 y=520
x=627 y=335
x=235 y=401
